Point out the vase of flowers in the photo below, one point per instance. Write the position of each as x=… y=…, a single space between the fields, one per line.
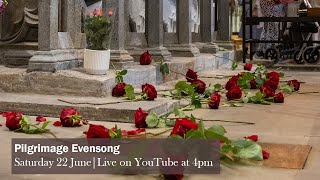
x=98 y=29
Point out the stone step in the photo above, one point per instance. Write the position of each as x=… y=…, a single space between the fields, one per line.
x=77 y=83
x=50 y=106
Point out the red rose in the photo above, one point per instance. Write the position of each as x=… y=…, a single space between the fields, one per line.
x=145 y=58
x=173 y=176
x=97 y=131
x=215 y=101
x=231 y=84
x=234 y=93
x=272 y=84
x=275 y=76
x=182 y=126
x=70 y=118
x=248 y=67
x=150 y=91
x=41 y=119
x=140 y=118
x=191 y=76
x=235 y=78
x=278 y=98
x=253 y=138
x=201 y=86
x=267 y=90
x=118 y=90
x=265 y=154
x=253 y=84
x=57 y=123
x=13 y=120
x=295 y=83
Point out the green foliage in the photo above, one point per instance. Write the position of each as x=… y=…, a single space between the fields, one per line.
x=184 y=89
x=212 y=88
x=28 y=128
x=244 y=81
x=196 y=101
x=152 y=120
x=120 y=74
x=258 y=98
x=129 y=92
x=116 y=133
x=164 y=68
x=287 y=89
x=98 y=31
x=234 y=65
x=247 y=149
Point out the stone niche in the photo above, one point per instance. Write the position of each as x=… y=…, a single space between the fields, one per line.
x=19 y=32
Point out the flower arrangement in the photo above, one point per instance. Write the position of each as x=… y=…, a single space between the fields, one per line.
x=3 y=5
x=98 y=30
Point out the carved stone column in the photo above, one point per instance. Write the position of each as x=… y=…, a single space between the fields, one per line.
x=154 y=30
x=55 y=50
x=185 y=48
x=119 y=56
x=207 y=27
x=224 y=25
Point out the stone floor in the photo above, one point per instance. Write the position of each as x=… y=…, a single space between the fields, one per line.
x=297 y=121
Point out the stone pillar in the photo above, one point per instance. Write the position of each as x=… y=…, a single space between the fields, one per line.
x=207 y=27
x=224 y=24
x=119 y=56
x=185 y=46
x=155 y=31
x=54 y=48
x=68 y=23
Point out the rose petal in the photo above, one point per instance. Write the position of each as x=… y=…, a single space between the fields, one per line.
x=265 y=154
x=0 y=125
x=253 y=138
x=135 y=132
x=57 y=123
x=41 y=119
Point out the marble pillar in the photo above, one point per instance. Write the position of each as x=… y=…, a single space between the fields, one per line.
x=184 y=48
x=207 y=29
x=224 y=25
x=55 y=51
x=119 y=56
x=155 y=31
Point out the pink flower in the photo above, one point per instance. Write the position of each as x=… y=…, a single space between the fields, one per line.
x=41 y=119
x=95 y=12
x=110 y=13
x=99 y=13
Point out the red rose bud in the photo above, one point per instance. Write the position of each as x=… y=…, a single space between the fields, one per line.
x=275 y=76
x=265 y=154
x=41 y=119
x=278 y=98
x=191 y=76
x=235 y=78
x=13 y=120
x=70 y=118
x=215 y=101
x=253 y=84
x=140 y=118
x=201 y=86
x=234 y=93
x=136 y=132
x=145 y=58
x=97 y=131
x=295 y=84
x=173 y=177
x=248 y=67
x=118 y=90
x=253 y=138
x=0 y=125
x=150 y=91
x=95 y=12
x=182 y=126
x=231 y=84
x=267 y=90
x=57 y=123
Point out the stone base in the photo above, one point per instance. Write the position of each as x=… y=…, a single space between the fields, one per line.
x=211 y=48
x=160 y=53
x=18 y=54
x=52 y=61
x=121 y=59
x=183 y=50
x=228 y=45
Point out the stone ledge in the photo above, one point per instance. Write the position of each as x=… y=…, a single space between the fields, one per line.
x=49 y=106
